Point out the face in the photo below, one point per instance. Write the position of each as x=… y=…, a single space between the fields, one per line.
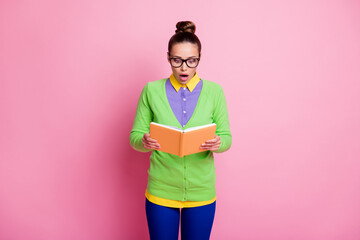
x=184 y=50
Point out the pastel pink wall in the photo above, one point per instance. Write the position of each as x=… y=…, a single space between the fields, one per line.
x=70 y=76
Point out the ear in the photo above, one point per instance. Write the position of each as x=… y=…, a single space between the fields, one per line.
x=199 y=55
x=168 y=56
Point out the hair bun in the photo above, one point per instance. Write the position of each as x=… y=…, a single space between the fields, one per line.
x=185 y=26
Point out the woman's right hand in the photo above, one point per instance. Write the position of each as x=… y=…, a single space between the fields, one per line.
x=150 y=143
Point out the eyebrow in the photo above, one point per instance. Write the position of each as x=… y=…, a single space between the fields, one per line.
x=184 y=58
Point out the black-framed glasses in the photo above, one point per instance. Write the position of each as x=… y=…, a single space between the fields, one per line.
x=190 y=62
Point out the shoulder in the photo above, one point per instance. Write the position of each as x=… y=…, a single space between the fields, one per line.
x=212 y=86
x=154 y=85
x=152 y=89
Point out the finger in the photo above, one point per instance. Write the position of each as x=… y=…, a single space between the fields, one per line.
x=146 y=135
x=210 y=149
x=215 y=139
x=155 y=145
x=210 y=146
x=214 y=148
x=151 y=140
x=207 y=144
x=152 y=146
x=148 y=138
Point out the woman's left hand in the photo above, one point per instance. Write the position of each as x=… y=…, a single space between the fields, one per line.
x=212 y=145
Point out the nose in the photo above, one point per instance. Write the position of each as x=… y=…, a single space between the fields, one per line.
x=183 y=66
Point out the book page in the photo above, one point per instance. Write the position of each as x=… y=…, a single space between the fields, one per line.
x=168 y=138
x=198 y=127
x=166 y=126
x=194 y=139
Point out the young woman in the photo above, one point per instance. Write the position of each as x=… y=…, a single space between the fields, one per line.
x=181 y=189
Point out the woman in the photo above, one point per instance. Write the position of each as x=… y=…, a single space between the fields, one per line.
x=181 y=188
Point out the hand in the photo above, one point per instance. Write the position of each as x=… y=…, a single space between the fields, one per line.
x=212 y=145
x=150 y=143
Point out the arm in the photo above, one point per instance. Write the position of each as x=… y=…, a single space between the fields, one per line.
x=223 y=138
x=141 y=125
x=221 y=118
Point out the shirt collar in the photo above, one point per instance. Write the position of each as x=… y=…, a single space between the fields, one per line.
x=190 y=85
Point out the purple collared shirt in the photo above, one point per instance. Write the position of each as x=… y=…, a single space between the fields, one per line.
x=183 y=102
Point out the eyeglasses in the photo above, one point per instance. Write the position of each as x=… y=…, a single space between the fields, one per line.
x=190 y=62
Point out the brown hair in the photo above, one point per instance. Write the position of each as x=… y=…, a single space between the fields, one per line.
x=185 y=32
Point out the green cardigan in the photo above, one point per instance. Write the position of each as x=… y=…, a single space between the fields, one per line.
x=192 y=177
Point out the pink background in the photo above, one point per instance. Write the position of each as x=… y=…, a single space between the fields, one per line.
x=71 y=74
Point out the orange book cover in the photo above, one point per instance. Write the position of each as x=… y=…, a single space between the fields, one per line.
x=181 y=142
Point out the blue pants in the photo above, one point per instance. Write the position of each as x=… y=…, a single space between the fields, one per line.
x=163 y=222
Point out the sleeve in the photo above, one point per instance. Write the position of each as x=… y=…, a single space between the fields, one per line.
x=141 y=125
x=221 y=118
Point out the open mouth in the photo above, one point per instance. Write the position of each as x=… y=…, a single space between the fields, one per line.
x=184 y=77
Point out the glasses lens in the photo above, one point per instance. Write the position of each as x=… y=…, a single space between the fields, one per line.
x=192 y=62
x=176 y=62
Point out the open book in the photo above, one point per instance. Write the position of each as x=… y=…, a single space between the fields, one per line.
x=181 y=142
